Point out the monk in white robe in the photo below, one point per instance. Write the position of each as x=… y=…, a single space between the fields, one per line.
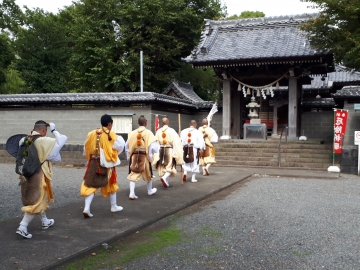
x=191 y=138
x=210 y=138
x=110 y=147
x=140 y=148
x=170 y=154
x=36 y=189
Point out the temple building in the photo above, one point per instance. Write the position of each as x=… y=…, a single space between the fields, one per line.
x=258 y=57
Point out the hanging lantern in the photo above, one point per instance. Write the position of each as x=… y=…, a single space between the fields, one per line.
x=239 y=87
x=277 y=86
x=248 y=91
x=258 y=93
x=267 y=92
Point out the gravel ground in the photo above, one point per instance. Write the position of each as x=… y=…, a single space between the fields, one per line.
x=269 y=223
x=66 y=185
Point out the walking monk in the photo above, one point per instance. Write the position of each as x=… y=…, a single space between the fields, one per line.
x=140 y=148
x=170 y=154
x=104 y=144
x=193 y=142
x=210 y=137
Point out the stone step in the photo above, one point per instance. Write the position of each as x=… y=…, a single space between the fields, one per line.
x=274 y=158
x=235 y=151
x=274 y=145
x=319 y=166
x=274 y=154
x=237 y=141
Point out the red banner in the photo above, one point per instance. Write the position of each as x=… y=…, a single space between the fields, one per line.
x=157 y=124
x=339 y=130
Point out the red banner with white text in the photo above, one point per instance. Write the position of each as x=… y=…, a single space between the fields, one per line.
x=339 y=130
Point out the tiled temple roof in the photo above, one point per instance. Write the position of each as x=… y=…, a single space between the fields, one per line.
x=99 y=98
x=347 y=92
x=183 y=90
x=341 y=76
x=269 y=39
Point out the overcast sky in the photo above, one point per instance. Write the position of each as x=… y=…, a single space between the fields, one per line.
x=269 y=7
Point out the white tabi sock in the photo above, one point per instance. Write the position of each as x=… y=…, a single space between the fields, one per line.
x=88 y=201
x=25 y=221
x=193 y=177
x=114 y=207
x=150 y=189
x=208 y=165
x=166 y=175
x=132 y=190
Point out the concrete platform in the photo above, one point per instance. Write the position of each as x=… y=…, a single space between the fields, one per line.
x=73 y=235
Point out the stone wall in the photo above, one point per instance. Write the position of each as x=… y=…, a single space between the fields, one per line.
x=318 y=126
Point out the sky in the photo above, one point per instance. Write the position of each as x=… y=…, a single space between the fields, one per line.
x=269 y=7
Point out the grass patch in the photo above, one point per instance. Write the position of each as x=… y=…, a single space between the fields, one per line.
x=90 y=262
x=151 y=243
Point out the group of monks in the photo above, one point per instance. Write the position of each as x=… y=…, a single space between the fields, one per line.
x=145 y=151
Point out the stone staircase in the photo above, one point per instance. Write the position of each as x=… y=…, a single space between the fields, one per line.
x=245 y=153
x=264 y=153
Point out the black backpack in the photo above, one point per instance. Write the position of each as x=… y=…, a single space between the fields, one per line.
x=27 y=165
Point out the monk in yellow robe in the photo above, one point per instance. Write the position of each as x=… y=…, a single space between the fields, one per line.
x=140 y=148
x=210 y=138
x=36 y=189
x=110 y=146
x=170 y=154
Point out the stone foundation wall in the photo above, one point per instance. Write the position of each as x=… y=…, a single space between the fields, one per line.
x=318 y=126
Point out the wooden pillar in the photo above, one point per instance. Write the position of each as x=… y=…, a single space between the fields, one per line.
x=235 y=114
x=293 y=109
x=226 y=116
x=275 y=123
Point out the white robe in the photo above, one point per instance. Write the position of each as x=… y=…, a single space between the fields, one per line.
x=197 y=142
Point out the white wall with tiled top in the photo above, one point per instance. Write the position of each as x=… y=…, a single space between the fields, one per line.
x=75 y=123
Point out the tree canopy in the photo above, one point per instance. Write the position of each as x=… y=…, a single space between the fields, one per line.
x=94 y=45
x=109 y=35
x=246 y=15
x=6 y=57
x=336 y=29
x=43 y=53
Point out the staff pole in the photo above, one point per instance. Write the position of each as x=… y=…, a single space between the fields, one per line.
x=181 y=171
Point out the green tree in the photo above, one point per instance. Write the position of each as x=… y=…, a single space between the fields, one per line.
x=246 y=15
x=336 y=29
x=43 y=52
x=14 y=84
x=11 y=17
x=108 y=36
x=204 y=81
x=6 y=56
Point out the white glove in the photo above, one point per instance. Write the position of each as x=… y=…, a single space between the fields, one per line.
x=51 y=126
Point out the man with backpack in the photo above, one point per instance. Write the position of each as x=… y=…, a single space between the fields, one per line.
x=33 y=164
